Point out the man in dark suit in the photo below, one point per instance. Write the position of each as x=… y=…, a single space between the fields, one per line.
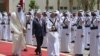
x=39 y=31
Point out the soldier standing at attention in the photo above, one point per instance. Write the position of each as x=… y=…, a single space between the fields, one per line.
x=79 y=36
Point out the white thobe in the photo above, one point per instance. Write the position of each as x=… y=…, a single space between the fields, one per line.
x=65 y=36
x=79 y=39
x=53 y=40
x=29 y=38
x=1 y=35
x=94 y=36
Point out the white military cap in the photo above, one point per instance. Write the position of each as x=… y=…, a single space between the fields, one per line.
x=68 y=13
x=32 y=12
x=57 y=12
x=39 y=11
x=18 y=5
x=97 y=12
x=0 y=15
x=5 y=13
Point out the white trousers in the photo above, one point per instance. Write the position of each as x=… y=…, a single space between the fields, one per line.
x=73 y=33
x=7 y=33
x=64 y=40
x=94 y=43
x=4 y=32
x=18 y=44
x=45 y=42
x=86 y=37
x=53 y=44
x=29 y=39
x=1 y=33
x=78 y=42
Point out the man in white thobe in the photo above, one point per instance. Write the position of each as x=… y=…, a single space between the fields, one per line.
x=21 y=16
x=17 y=31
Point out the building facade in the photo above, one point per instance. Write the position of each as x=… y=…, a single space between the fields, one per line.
x=10 y=5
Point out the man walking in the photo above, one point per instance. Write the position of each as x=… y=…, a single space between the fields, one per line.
x=38 y=31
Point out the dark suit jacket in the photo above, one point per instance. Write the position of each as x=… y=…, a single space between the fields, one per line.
x=39 y=30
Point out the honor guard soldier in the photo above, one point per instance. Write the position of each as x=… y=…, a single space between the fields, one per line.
x=7 y=28
x=32 y=12
x=87 y=30
x=99 y=29
x=94 y=36
x=65 y=23
x=29 y=28
x=79 y=36
x=98 y=16
x=73 y=27
x=53 y=36
x=69 y=18
x=45 y=42
x=34 y=39
x=1 y=27
x=45 y=16
x=4 y=26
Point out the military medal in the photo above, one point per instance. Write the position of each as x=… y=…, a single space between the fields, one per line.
x=53 y=27
x=65 y=24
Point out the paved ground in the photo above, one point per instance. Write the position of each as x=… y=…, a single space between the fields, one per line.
x=84 y=51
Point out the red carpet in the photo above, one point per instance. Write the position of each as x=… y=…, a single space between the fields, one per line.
x=6 y=48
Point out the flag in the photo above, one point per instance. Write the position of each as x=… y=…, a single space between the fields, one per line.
x=22 y=2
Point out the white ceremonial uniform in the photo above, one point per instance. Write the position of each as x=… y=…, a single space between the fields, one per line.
x=18 y=34
x=69 y=16
x=1 y=35
x=94 y=37
x=99 y=34
x=53 y=39
x=6 y=26
x=99 y=29
x=79 y=38
x=73 y=28
x=29 y=30
x=22 y=19
x=8 y=29
x=98 y=16
x=45 y=42
x=87 y=32
x=4 y=29
x=65 y=34
x=34 y=38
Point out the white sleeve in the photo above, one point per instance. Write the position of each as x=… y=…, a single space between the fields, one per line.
x=13 y=28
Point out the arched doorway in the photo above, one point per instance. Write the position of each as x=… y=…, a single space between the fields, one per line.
x=4 y=5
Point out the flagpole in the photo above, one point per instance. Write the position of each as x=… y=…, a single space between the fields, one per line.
x=24 y=5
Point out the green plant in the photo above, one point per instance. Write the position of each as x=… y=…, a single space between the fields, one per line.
x=33 y=5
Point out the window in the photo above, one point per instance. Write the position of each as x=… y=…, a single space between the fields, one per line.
x=61 y=8
x=1 y=1
x=74 y=8
x=51 y=7
x=65 y=8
